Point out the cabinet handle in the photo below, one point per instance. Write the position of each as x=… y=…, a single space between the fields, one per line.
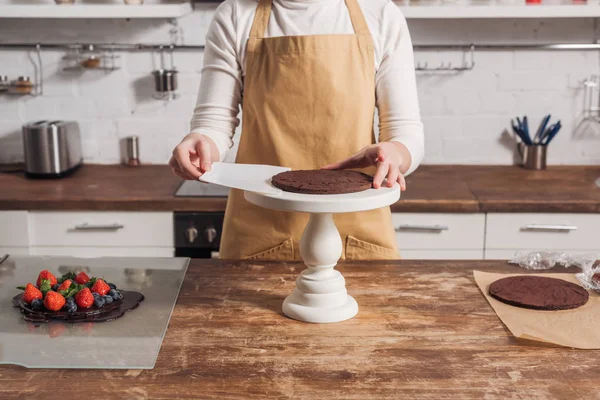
x=549 y=228
x=87 y=227
x=426 y=228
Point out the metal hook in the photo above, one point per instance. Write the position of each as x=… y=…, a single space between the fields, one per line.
x=40 y=77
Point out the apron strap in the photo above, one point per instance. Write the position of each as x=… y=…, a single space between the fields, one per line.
x=358 y=18
x=261 y=19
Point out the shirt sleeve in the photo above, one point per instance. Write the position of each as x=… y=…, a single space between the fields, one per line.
x=396 y=87
x=219 y=98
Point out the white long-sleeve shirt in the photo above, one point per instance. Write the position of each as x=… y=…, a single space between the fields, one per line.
x=224 y=66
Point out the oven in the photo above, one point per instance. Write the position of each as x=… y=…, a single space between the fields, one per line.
x=198 y=234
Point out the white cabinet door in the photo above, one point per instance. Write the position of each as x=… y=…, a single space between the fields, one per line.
x=102 y=229
x=14 y=232
x=440 y=236
x=424 y=254
x=87 y=251
x=15 y=251
x=551 y=232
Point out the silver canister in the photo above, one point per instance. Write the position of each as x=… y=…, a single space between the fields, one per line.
x=165 y=80
x=133 y=151
x=534 y=156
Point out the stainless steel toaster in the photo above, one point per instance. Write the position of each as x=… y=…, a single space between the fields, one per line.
x=52 y=148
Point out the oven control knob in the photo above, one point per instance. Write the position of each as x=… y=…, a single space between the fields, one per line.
x=210 y=234
x=191 y=234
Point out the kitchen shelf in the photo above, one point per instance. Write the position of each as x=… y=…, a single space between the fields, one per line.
x=490 y=12
x=172 y=10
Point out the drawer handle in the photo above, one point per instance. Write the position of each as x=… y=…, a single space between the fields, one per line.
x=425 y=228
x=549 y=228
x=87 y=227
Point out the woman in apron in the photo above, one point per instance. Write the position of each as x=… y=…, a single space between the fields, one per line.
x=309 y=76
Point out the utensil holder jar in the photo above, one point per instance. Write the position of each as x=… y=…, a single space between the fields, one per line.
x=534 y=156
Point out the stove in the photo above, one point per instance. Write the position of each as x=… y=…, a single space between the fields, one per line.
x=200 y=189
x=198 y=234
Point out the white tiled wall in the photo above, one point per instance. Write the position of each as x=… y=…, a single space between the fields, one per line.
x=465 y=114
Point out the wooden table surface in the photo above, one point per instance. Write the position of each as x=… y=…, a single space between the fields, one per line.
x=441 y=188
x=424 y=330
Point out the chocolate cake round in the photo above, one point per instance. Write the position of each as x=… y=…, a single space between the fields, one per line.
x=322 y=181
x=539 y=293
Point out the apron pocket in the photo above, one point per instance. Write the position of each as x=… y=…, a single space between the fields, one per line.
x=360 y=250
x=282 y=252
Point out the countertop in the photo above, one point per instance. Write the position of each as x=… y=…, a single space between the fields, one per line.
x=424 y=330
x=441 y=188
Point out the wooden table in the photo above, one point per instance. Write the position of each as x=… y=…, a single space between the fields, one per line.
x=432 y=188
x=424 y=330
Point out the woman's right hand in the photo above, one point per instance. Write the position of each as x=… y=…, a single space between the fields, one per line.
x=194 y=156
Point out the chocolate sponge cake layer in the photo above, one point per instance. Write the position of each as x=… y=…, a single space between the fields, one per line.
x=322 y=181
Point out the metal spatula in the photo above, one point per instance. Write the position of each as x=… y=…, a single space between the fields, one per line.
x=250 y=177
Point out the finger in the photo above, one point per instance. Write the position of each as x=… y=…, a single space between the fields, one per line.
x=179 y=173
x=379 y=155
x=182 y=156
x=203 y=150
x=393 y=176
x=382 y=171
x=402 y=182
x=177 y=169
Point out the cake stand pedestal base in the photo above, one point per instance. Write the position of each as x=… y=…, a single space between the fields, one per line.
x=320 y=295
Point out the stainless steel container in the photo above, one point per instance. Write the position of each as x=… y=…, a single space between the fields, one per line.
x=534 y=157
x=52 y=148
x=133 y=151
x=165 y=80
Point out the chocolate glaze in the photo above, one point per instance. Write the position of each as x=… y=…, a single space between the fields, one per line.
x=322 y=181
x=539 y=293
x=129 y=301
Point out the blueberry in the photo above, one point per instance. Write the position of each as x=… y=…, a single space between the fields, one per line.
x=70 y=300
x=55 y=287
x=107 y=299
x=114 y=294
x=37 y=304
x=112 y=286
x=98 y=301
x=96 y=295
x=70 y=307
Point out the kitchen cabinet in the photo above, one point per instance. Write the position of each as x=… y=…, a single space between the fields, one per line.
x=98 y=233
x=14 y=232
x=440 y=235
x=507 y=233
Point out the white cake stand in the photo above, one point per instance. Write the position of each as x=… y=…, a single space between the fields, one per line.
x=320 y=295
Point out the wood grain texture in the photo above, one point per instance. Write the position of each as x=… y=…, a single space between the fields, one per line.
x=441 y=188
x=424 y=331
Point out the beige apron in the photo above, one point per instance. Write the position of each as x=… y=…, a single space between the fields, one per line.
x=308 y=101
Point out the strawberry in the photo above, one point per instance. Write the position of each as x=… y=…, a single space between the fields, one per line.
x=45 y=274
x=64 y=286
x=82 y=278
x=100 y=287
x=54 y=301
x=84 y=298
x=31 y=293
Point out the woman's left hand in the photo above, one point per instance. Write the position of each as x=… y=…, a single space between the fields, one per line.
x=389 y=157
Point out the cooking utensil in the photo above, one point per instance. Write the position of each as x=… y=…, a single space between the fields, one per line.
x=519 y=132
x=3 y=258
x=541 y=129
x=553 y=133
x=250 y=177
x=52 y=148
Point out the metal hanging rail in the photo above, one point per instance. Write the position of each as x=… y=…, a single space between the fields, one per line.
x=178 y=47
